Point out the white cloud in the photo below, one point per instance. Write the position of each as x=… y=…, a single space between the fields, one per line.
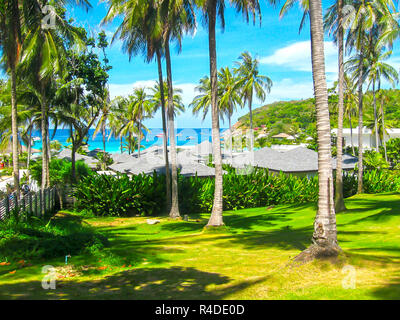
x=297 y=56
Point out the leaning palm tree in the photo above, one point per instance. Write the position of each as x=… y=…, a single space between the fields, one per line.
x=10 y=45
x=211 y=9
x=251 y=82
x=325 y=233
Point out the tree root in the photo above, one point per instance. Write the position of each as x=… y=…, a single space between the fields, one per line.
x=318 y=252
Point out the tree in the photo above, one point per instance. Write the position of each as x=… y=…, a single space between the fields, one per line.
x=325 y=233
x=251 y=82
x=210 y=10
x=140 y=108
x=10 y=45
x=229 y=98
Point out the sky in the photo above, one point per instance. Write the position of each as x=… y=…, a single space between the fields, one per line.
x=283 y=53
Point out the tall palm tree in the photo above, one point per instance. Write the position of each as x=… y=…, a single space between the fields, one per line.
x=211 y=9
x=251 y=82
x=10 y=45
x=325 y=233
x=43 y=59
x=138 y=36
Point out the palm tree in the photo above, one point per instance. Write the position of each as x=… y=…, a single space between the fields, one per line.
x=202 y=102
x=211 y=9
x=10 y=44
x=140 y=108
x=137 y=35
x=116 y=118
x=229 y=98
x=251 y=82
x=379 y=69
x=325 y=233
x=156 y=98
x=106 y=109
x=43 y=58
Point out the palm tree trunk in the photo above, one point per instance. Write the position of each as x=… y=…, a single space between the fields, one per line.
x=44 y=141
x=73 y=163
x=251 y=122
x=360 y=127
x=139 y=136
x=216 y=214
x=383 y=131
x=351 y=135
x=28 y=161
x=14 y=129
x=339 y=198
x=121 y=144
x=230 y=138
x=325 y=234
x=48 y=152
x=375 y=118
x=103 y=129
x=174 y=212
x=165 y=138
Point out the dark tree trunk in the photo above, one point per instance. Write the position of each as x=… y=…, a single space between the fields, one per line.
x=174 y=212
x=14 y=129
x=375 y=118
x=339 y=198
x=165 y=138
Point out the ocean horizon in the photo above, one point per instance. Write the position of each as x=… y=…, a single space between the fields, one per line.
x=185 y=137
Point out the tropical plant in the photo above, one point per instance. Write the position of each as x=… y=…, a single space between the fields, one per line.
x=250 y=82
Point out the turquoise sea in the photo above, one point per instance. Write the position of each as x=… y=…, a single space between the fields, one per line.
x=185 y=137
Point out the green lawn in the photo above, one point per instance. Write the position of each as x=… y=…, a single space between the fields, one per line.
x=176 y=260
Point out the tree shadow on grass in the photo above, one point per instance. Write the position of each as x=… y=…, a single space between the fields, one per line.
x=391 y=291
x=142 y=284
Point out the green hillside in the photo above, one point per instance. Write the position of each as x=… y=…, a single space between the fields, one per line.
x=299 y=115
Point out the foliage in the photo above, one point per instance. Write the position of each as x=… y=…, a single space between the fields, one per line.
x=120 y=195
x=280 y=116
x=106 y=195
x=374 y=160
x=104 y=160
x=29 y=237
x=393 y=151
x=60 y=171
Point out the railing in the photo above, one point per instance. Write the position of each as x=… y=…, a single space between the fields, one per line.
x=39 y=204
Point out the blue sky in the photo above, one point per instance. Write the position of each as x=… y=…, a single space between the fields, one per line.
x=284 y=56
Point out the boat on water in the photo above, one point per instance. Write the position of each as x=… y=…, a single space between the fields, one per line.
x=36 y=139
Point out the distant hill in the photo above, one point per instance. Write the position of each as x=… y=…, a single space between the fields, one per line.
x=300 y=115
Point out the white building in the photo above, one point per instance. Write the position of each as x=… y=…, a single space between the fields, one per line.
x=368 y=138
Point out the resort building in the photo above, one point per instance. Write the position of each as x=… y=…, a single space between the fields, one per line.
x=368 y=138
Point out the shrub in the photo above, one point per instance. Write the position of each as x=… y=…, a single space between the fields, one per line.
x=120 y=195
x=24 y=237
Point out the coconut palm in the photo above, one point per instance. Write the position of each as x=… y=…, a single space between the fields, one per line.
x=140 y=108
x=211 y=10
x=156 y=98
x=250 y=82
x=377 y=70
x=43 y=59
x=106 y=109
x=229 y=98
x=138 y=37
x=325 y=233
x=10 y=45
